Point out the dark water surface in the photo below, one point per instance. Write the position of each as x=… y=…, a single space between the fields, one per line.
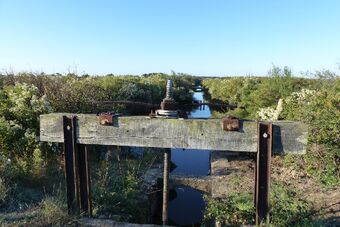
x=187 y=208
x=190 y=162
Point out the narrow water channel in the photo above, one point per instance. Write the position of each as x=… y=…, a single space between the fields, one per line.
x=187 y=207
x=189 y=161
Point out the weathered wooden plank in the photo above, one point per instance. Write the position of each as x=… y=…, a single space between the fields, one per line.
x=174 y=133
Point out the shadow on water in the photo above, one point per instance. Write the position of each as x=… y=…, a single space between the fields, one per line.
x=187 y=207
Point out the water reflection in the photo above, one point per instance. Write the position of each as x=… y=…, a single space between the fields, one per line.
x=200 y=112
x=190 y=162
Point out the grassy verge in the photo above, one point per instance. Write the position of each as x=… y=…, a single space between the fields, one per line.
x=288 y=209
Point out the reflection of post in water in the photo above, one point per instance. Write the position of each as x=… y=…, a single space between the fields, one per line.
x=166 y=172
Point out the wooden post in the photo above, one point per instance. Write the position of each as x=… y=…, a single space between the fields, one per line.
x=166 y=171
x=262 y=172
x=71 y=163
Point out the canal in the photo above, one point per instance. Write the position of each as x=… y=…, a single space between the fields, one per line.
x=187 y=207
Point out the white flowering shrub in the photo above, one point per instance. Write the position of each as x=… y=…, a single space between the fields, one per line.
x=269 y=113
x=295 y=100
x=24 y=104
x=297 y=103
x=20 y=107
x=302 y=97
x=320 y=110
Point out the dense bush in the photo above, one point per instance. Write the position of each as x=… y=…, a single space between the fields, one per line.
x=252 y=93
x=72 y=93
x=321 y=110
x=315 y=101
x=20 y=107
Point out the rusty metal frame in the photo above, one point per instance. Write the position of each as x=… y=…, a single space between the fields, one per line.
x=78 y=185
x=77 y=175
x=262 y=172
x=84 y=180
x=71 y=173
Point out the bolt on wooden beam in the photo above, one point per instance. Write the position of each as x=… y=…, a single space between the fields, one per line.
x=262 y=172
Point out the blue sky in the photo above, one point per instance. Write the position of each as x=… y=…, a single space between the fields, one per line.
x=217 y=38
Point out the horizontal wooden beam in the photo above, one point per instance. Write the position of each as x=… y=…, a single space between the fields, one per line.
x=143 y=131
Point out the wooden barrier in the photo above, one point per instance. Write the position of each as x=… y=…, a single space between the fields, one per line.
x=139 y=131
x=75 y=131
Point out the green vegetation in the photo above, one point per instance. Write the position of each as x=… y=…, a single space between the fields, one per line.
x=252 y=93
x=236 y=209
x=54 y=210
x=29 y=170
x=314 y=100
x=117 y=188
x=72 y=93
x=288 y=209
x=321 y=112
x=21 y=156
x=281 y=96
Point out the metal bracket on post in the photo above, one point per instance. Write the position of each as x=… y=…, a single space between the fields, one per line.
x=262 y=172
x=76 y=170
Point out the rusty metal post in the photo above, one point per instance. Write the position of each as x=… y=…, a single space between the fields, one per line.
x=84 y=180
x=262 y=172
x=78 y=188
x=71 y=164
x=166 y=171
